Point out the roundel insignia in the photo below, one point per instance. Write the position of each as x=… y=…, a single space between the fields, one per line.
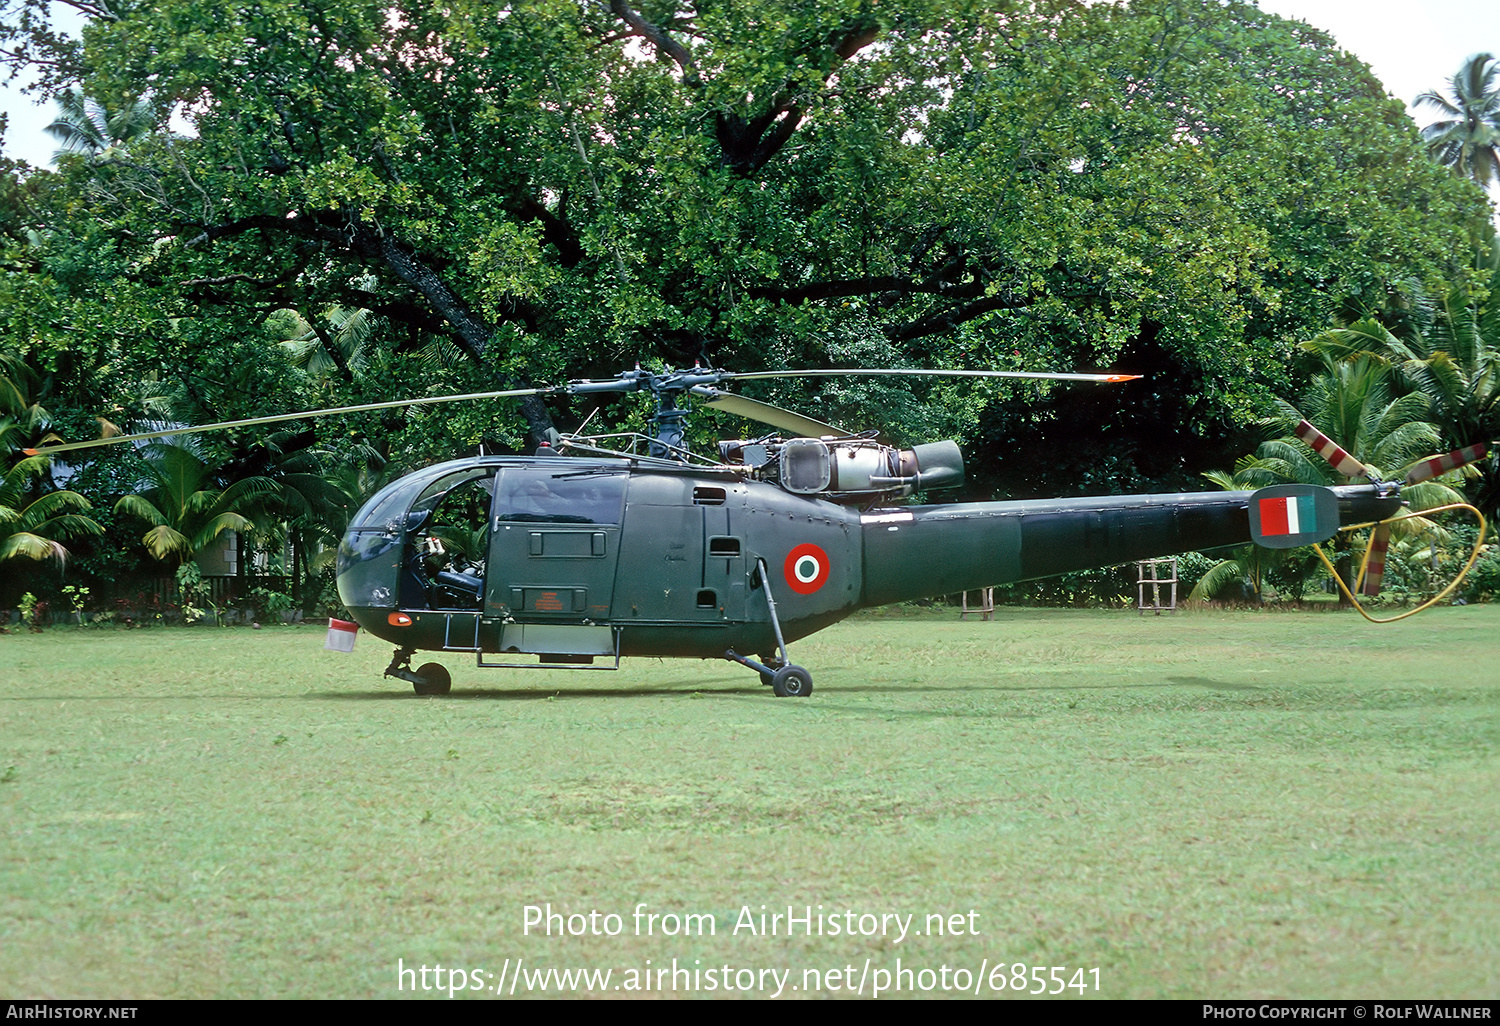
x=806 y=569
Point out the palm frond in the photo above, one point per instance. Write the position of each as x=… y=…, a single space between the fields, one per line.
x=163 y=541
x=137 y=506
x=25 y=545
x=1216 y=579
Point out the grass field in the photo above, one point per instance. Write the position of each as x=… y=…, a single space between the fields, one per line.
x=1206 y=805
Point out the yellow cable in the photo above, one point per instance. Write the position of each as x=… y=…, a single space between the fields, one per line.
x=1365 y=562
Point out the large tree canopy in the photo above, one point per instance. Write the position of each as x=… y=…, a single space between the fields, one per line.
x=555 y=188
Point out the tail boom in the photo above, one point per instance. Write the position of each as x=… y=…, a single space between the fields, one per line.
x=921 y=551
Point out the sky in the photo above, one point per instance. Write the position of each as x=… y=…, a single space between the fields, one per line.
x=1412 y=46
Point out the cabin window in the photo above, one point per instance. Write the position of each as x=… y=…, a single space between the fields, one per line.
x=534 y=496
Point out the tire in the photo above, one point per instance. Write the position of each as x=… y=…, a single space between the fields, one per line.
x=791 y=682
x=437 y=680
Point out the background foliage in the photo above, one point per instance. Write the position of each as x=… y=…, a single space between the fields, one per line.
x=431 y=200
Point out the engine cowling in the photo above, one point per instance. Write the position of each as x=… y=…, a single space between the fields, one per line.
x=860 y=467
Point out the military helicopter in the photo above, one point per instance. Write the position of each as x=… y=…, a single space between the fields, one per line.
x=593 y=549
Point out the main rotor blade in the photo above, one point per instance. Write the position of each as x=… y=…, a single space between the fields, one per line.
x=899 y=372
x=1327 y=448
x=1434 y=466
x=224 y=425
x=775 y=416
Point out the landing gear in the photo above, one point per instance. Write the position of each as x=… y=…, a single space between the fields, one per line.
x=786 y=680
x=435 y=679
x=791 y=682
x=778 y=673
x=427 y=679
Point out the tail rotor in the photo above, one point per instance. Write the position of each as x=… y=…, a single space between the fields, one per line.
x=1372 y=572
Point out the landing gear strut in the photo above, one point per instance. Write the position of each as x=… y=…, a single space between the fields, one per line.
x=784 y=679
x=427 y=679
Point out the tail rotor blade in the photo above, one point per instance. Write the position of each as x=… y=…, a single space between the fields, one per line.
x=1330 y=450
x=1380 y=541
x=1436 y=466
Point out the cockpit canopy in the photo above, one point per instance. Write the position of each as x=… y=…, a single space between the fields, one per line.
x=457 y=503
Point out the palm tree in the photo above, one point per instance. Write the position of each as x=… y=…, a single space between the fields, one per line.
x=1352 y=402
x=1468 y=139
x=33 y=519
x=1251 y=563
x=86 y=126
x=344 y=341
x=30 y=527
x=341 y=346
x=186 y=508
x=1449 y=351
x=303 y=506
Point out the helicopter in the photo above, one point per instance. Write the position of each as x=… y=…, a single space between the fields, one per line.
x=592 y=550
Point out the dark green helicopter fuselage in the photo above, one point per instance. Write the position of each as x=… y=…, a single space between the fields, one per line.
x=572 y=559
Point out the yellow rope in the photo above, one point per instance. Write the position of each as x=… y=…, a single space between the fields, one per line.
x=1364 y=563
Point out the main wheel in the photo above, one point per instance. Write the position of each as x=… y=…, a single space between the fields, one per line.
x=436 y=677
x=791 y=682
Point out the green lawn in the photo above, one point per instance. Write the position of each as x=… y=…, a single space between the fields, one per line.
x=1211 y=804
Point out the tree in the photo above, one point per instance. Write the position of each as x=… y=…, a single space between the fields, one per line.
x=306 y=507
x=1468 y=139
x=187 y=508
x=35 y=518
x=1180 y=183
x=85 y=126
x=1353 y=402
x=35 y=523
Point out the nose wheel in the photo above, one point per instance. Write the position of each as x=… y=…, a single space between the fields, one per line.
x=427 y=679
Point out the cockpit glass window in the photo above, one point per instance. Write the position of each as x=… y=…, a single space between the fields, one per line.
x=385 y=510
x=420 y=490
x=462 y=520
x=433 y=493
x=552 y=497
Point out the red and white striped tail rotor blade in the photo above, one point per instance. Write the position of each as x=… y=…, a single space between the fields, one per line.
x=1330 y=450
x=1436 y=466
x=1380 y=541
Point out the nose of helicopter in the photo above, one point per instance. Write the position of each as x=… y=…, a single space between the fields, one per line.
x=369 y=569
